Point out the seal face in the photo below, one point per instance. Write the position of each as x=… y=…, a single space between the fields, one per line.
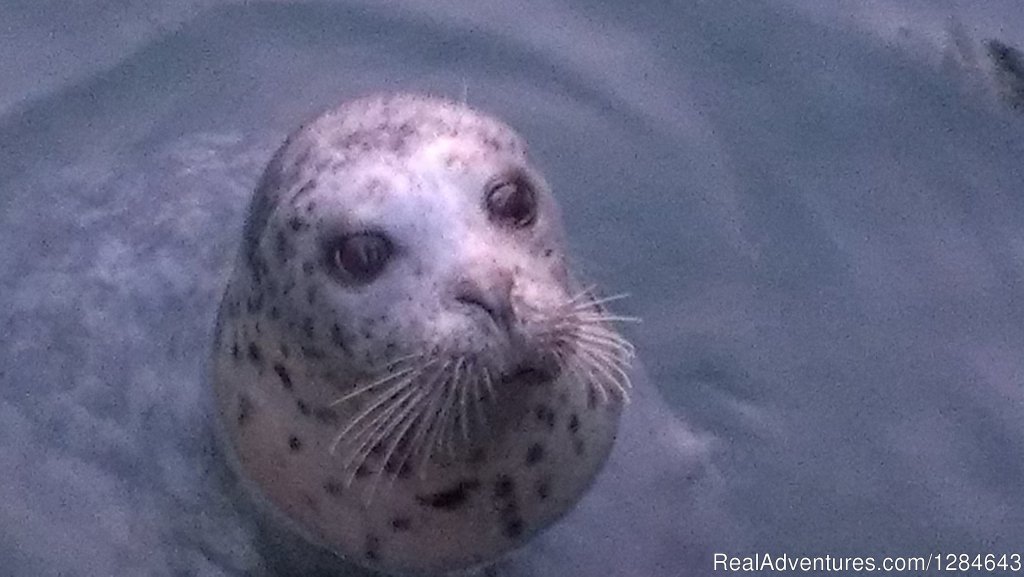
x=405 y=368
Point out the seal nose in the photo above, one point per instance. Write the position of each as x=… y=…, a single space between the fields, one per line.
x=492 y=293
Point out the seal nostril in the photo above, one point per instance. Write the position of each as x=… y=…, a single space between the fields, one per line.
x=477 y=301
x=495 y=303
x=468 y=299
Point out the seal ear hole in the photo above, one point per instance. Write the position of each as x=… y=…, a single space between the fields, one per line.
x=358 y=258
x=512 y=201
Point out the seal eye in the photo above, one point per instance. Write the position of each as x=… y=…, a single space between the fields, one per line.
x=512 y=202
x=359 y=258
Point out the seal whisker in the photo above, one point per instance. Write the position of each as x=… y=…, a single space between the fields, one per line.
x=395 y=383
x=602 y=366
x=438 y=441
x=450 y=400
x=380 y=433
x=595 y=376
x=422 y=422
x=607 y=340
x=382 y=397
x=392 y=364
x=406 y=422
x=604 y=317
x=386 y=425
x=463 y=393
x=450 y=414
x=617 y=366
x=380 y=421
x=366 y=388
x=581 y=369
x=365 y=413
x=601 y=389
x=595 y=303
x=477 y=379
x=598 y=327
x=478 y=415
x=370 y=427
x=435 y=418
x=611 y=355
x=489 y=384
x=587 y=292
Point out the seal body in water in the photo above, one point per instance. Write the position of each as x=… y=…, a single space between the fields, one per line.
x=406 y=370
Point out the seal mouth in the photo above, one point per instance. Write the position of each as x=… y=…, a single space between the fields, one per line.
x=530 y=374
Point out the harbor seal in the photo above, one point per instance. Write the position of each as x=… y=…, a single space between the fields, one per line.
x=406 y=370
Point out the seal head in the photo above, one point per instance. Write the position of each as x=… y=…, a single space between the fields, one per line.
x=406 y=371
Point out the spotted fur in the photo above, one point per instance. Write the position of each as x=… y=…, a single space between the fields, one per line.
x=439 y=415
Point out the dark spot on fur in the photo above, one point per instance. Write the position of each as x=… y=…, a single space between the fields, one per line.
x=373 y=548
x=254 y=303
x=507 y=506
x=311 y=502
x=254 y=354
x=514 y=527
x=275 y=313
x=302 y=159
x=312 y=353
x=404 y=471
x=401 y=524
x=257 y=267
x=337 y=338
x=307 y=186
x=325 y=415
x=503 y=487
x=574 y=423
x=333 y=487
x=294 y=443
x=591 y=398
x=308 y=267
x=296 y=223
x=535 y=454
x=282 y=246
x=303 y=407
x=234 y=350
x=548 y=253
x=545 y=415
x=282 y=373
x=1009 y=67
x=477 y=456
x=451 y=498
x=271 y=288
x=363 y=471
x=543 y=490
x=577 y=446
x=244 y=410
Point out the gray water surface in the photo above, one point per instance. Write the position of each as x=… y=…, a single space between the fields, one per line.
x=818 y=213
